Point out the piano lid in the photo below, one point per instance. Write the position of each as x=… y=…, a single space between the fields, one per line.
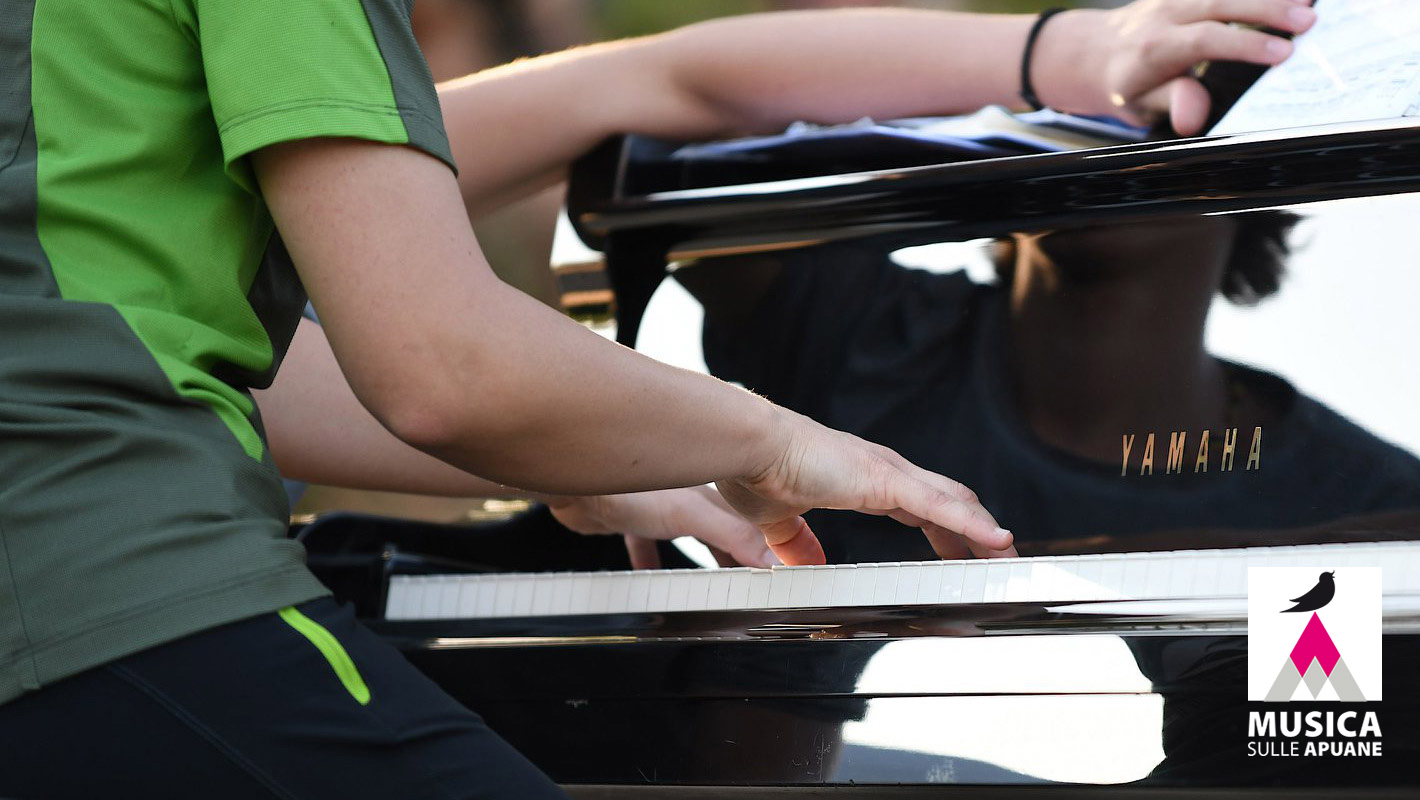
x=631 y=186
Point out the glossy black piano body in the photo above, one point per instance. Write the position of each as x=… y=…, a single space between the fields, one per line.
x=775 y=700
x=802 y=702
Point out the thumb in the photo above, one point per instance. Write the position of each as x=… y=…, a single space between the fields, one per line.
x=793 y=542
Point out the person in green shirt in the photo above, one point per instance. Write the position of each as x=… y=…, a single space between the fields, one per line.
x=159 y=635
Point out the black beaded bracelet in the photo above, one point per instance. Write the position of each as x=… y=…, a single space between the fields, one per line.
x=1027 y=88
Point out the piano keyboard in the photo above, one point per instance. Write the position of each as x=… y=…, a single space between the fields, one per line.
x=1185 y=574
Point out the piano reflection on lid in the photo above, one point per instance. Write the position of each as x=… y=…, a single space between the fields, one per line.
x=1023 y=390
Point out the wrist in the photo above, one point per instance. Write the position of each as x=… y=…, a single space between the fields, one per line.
x=770 y=436
x=1067 y=66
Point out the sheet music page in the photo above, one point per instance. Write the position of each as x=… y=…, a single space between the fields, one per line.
x=1360 y=62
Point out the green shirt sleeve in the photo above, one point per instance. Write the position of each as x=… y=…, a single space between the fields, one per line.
x=281 y=70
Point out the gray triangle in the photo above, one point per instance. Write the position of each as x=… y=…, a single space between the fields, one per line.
x=1285 y=685
x=1315 y=677
x=1345 y=684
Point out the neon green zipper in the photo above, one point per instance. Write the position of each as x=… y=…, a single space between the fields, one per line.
x=334 y=652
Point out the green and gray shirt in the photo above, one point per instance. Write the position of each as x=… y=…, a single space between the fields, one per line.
x=143 y=294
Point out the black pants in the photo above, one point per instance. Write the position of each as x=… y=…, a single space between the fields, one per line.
x=268 y=707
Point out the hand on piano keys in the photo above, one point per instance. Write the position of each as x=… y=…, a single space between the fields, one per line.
x=644 y=517
x=817 y=467
x=757 y=520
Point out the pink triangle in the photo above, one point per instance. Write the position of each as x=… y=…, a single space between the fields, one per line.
x=1315 y=643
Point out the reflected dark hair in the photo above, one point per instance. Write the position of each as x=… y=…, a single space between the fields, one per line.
x=1255 y=268
x=1259 y=256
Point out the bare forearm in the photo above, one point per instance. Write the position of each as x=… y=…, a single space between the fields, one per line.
x=736 y=75
x=590 y=418
x=319 y=432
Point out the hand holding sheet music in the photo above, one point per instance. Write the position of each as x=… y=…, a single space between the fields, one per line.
x=1360 y=62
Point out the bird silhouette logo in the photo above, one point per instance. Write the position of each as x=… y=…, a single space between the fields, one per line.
x=1319 y=595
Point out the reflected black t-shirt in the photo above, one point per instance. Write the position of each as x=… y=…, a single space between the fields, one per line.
x=913 y=360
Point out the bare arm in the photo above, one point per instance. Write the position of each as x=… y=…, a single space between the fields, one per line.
x=453 y=362
x=320 y=433
x=758 y=73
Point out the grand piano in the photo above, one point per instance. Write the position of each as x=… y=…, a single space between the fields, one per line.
x=1110 y=665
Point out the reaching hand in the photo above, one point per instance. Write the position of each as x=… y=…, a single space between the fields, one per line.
x=644 y=517
x=1139 y=59
x=821 y=468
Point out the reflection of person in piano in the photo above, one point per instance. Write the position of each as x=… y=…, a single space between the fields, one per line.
x=132 y=463
x=1025 y=389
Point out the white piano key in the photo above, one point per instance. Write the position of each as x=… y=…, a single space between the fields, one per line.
x=599 y=601
x=429 y=605
x=1402 y=573
x=760 y=583
x=562 y=595
x=929 y=583
x=1232 y=575
x=1136 y=576
x=659 y=598
x=541 y=597
x=1292 y=557
x=780 y=584
x=581 y=592
x=448 y=598
x=1181 y=577
x=1206 y=576
x=397 y=599
x=527 y=587
x=503 y=599
x=719 y=595
x=843 y=577
x=865 y=584
x=909 y=576
x=467 y=591
x=620 y=592
x=1158 y=579
x=679 y=599
x=739 y=589
x=697 y=590
x=1018 y=581
x=973 y=589
x=997 y=573
x=415 y=597
x=638 y=595
x=1111 y=578
x=1089 y=569
x=801 y=587
x=1360 y=556
x=885 y=591
x=821 y=595
x=952 y=579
